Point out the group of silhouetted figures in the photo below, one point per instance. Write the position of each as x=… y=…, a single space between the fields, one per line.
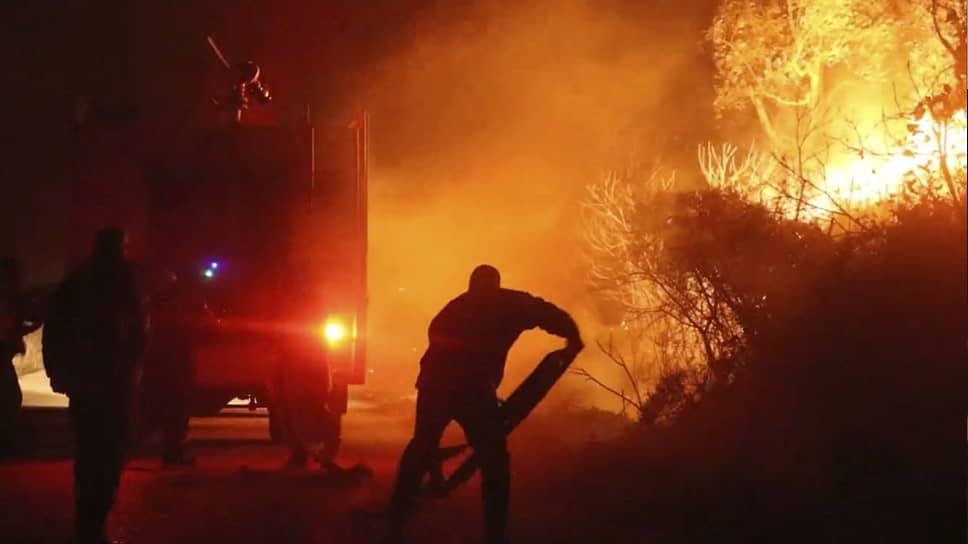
x=95 y=334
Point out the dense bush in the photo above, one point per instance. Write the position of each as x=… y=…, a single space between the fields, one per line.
x=837 y=413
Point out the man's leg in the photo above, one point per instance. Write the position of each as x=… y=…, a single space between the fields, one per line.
x=283 y=388
x=484 y=427
x=173 y=437
x=89 y=499
x=10 y=400
x=332 y=439
x=175 y=427
x=433 y=415
x=100 y=429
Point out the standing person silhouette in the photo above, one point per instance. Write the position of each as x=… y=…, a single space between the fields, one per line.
x=93 y=339
x=13 y=326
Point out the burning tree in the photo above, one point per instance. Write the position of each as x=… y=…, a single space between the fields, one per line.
x=711 y=280
x=778 y=56
x=822 y=76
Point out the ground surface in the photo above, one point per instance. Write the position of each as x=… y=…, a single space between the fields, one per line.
x=238 y=492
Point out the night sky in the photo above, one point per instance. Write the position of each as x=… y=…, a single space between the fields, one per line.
x=339 y=56
x=157 y=56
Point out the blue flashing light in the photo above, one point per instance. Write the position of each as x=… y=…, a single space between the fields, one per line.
x=213 y=265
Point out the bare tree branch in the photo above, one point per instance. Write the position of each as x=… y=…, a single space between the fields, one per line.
x=590 y=377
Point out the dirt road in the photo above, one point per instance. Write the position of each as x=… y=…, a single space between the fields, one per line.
x=238 y=493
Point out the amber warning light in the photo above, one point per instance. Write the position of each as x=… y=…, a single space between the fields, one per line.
x=333 y=331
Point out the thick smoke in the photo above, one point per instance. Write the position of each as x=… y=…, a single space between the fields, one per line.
x=487 y=126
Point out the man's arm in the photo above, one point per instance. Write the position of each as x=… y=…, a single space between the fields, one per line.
x=553 y=320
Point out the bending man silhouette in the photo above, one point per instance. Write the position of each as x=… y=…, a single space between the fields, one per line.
x=459 y=376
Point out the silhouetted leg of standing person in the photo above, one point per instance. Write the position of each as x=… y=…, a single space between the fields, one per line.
x=298 y=456
x=482 y=423
x=284 y=409
x=10 y=400
x=174 y=427
x=479 y=415
x=100 y=430
x=433 y=415
x=303 y=392
x=173 y=436
x=164 y=400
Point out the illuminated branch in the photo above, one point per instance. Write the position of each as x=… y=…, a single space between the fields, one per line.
x=591 y=377
x=937 y=30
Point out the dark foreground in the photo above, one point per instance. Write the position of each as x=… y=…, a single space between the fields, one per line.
x=238 y=492
x=566 y=490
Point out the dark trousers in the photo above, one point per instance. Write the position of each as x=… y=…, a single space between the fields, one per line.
x=479 y=415
x=100 y=434
x=10 y=400
x=164 y=405
x=171 y=418
x=329 y=425
x=302 y=390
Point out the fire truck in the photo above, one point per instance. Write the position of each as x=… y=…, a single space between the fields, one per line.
x=266 y=227
x=260 y=230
